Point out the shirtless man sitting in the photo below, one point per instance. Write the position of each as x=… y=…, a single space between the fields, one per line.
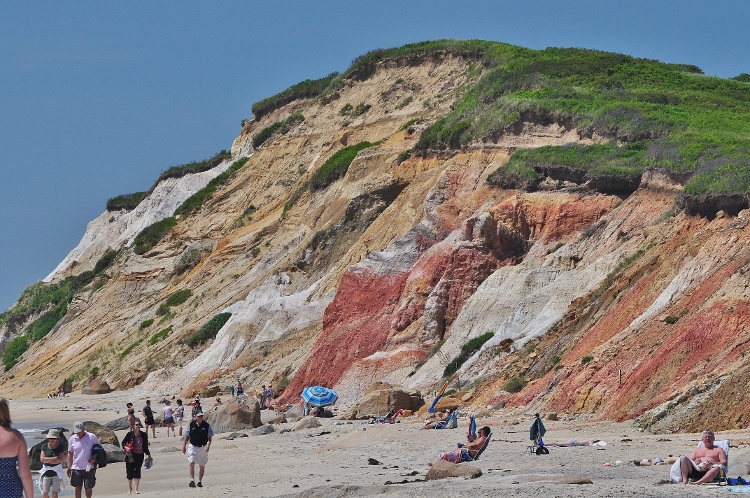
x=471 y=449
x=707 y=460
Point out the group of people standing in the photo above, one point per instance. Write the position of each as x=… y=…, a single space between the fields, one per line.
x=84 y=447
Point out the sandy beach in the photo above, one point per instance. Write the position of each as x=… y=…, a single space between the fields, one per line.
x=337 y=459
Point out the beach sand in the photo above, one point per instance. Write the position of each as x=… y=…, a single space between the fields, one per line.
x=334 y=460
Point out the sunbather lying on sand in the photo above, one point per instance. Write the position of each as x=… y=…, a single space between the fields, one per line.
x=567 y=443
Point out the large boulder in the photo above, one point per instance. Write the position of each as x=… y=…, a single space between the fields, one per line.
x=114 y=453
x=36 y=450
x=308 y=422
x=237 y=414
x=378 y=402
x=118 y=424
x=443 y=469
x=272 y=417
x=105 y=434
x=96 y=386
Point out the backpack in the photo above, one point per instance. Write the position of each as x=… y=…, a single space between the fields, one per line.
x=98 y=452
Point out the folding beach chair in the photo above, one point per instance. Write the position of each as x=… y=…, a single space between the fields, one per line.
x=450 y=423
x=675 y=473
x=466 y=457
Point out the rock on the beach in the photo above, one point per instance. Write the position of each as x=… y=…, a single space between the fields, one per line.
x=263 y=430
x=309 y=422
x=168 y=449
x=238 y=414
x=114 y=453
x=118 y=424
x=443 y=469
x=96 y=386
x=104 y=434
x=36 y=450
x=379 y=402
x=272 y=417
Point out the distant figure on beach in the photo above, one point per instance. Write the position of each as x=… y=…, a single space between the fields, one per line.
x=240 y=391
x=217 y=402
x=61 y=392
x=263 y=397
x=131 y=416
x=197 y=408
x=51 y=474
x=135 y=446
x=705 y=462
x=199 y=434
x=148 y=418
x=466 y=452
x=232 y=390
x=168 y=418
x=179 y=414
x=14 y=482
x=269 y=396
x=431 y=425
x=81 y=461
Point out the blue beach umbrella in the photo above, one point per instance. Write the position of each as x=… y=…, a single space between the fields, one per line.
x=319 y=396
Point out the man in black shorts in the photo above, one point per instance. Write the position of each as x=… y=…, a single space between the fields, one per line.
x=81 y=461
x=148 y=417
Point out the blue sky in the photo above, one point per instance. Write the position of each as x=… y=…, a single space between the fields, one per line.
x=97 y=98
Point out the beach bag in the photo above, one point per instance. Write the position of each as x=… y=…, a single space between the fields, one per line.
x=98 y=452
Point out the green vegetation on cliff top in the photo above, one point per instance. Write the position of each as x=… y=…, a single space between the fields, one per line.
x=669 y=116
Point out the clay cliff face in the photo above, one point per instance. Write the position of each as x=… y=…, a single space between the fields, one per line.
x=619 y=307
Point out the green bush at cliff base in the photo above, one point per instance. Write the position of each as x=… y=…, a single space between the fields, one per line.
x=467 y=350
x=209 y=330
x=336 y=166
x=159 y=335
x=174 y=299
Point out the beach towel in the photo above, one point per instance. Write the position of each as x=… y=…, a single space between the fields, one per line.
x=440 y=394
x=537 y=430
x=472 y=434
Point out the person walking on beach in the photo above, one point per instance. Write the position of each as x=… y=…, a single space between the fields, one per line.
x=131 y=416
x=168 y=419
x=179 y=414
x=81 y=461
x=51 y=475
x=14 y=482
x=199 y=434
x=148 y=418
x=135 y=446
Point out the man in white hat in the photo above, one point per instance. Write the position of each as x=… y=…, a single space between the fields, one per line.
x=199 y=434
x=81 y=461
x=51 y=456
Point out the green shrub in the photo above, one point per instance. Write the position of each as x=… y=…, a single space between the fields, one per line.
x=209 y=330
x=295 y=197
x=126 y=202
x=195 y=201
x=557 y=246
x=94 y=372
x=404 y=156
x=159 y=335
x=194 y=167
x=179 y=297
x=105 y=261
x=152 y=234
x=361 y=109
x=301 y=90
x=467 y=350
x=514 y=385
x=13 y=351
x=130 y=348
x=42 y=325
x=586 y=359
x=408 y=100
x=346 y=109
x=336 y=166
x=671 y=319
x=147 y=323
